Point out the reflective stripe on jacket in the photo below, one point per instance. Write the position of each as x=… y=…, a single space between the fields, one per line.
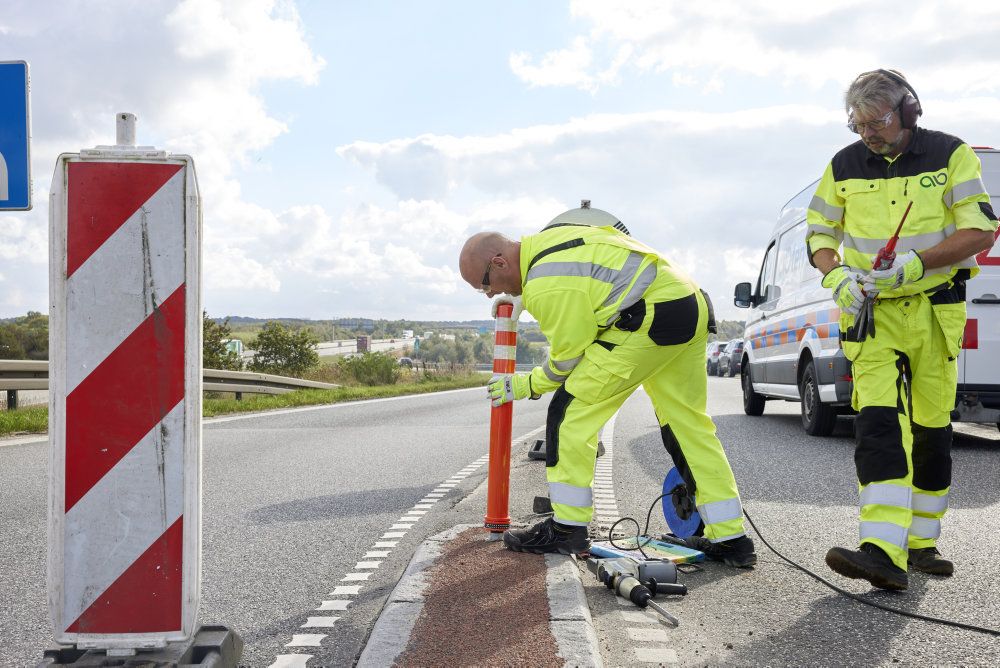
x=862 y=196
x=577 y=279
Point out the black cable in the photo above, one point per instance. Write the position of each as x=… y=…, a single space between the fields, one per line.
x=859 y=599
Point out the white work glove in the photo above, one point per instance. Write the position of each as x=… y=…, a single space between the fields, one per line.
x=508 y=299
x=845 y=282
x=505 y=387
x=906 y=268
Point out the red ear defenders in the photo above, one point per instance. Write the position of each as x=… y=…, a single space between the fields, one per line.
x=909 y=106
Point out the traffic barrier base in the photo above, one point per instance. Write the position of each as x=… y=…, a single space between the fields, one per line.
x=214 y=646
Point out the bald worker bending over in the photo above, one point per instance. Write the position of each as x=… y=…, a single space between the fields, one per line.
x=617 y=315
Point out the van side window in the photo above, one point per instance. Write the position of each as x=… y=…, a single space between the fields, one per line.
x=792 y=265
x=765 y=282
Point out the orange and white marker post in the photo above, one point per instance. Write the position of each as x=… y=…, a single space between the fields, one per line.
x=498 y=484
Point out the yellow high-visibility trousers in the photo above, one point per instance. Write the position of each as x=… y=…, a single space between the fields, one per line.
x=904 y=390
x=674 y=378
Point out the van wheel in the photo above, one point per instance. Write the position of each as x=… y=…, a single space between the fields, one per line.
x=818 y=419
x=753 y=403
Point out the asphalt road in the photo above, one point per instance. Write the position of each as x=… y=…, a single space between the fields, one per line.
x=294 y=501
x=291 y=503
x=801 y=492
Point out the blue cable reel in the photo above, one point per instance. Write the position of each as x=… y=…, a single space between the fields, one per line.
x=678 y=505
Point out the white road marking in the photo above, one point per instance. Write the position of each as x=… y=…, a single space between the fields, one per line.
x=319 y=622
x=291 y=661
x=386 y=543
x=335 y=605
x=655 y=655
x=393 y=534
x=400 y=526
x=424 y=506
x=435 y=496
x=346 y=590
x=639 y=617
x=367 y=564
x=355 y=577
x=416 y=512
x=306 y=640
x=376 y=554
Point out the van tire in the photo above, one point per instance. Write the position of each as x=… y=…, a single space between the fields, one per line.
x=753 y=403
x=818 y=419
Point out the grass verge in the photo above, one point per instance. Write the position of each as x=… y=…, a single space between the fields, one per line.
x=34 y=419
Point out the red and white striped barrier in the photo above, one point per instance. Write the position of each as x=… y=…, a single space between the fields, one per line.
x=125 y=399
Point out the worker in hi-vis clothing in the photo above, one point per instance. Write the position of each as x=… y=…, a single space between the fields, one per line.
x=617 y=315
x=904 y=360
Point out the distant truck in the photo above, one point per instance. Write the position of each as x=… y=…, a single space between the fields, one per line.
x=792 y=350
x=364 y=343
x=407 y=333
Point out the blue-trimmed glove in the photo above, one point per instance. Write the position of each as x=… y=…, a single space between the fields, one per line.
x=508 y=387
x=846 y=285
x=906 y=268
x=508 y=299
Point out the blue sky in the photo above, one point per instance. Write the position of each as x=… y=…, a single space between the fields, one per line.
x=345 y=150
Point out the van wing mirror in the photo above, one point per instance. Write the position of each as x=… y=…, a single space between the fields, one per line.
x=743 y=297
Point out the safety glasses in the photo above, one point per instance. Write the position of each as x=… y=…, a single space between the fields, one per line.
x=485 y=287
x=876 y=125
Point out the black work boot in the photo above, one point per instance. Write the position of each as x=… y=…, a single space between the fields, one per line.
x=737 y=552
x=548 y=536
x=929 y=560
x=871 y=563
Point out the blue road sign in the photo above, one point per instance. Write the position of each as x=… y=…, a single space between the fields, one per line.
x=15 y=137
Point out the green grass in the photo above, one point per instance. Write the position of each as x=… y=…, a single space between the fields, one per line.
x=30 y=420
x=34 y=420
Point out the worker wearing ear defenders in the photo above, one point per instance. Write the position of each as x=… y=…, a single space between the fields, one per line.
x=904 y=362
x=617 y=316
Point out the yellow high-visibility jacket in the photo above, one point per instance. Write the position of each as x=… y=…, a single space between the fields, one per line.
x=862 y=197
x=576 y=281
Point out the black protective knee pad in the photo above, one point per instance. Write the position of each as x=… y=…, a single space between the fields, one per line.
x=554 y=419
x=931 y=457
x=677 y=455
x=879 y=454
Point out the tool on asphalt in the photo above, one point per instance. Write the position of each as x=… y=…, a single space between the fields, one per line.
x=655 y=548
x=639 y=580
x=497 y=518
x=864 y=324
x=681 y=513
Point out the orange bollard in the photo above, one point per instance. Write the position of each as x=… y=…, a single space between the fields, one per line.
x=498 y=483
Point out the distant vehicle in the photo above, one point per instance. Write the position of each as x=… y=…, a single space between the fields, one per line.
x=406 y=361
x=712 y=357
x=407 y=333
x=730 y=358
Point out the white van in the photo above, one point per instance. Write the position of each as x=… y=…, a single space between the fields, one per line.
x=792 y=335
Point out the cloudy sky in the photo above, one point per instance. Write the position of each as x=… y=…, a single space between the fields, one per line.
x=345 y=150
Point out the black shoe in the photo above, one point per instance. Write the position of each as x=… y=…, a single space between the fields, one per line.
x=929 y=560
x=737 y=552
x=548 y=536
x=871 y=563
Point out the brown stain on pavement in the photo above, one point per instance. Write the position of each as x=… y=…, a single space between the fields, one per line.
x=483 y=606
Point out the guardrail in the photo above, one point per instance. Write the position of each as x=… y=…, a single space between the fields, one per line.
x=34 y=375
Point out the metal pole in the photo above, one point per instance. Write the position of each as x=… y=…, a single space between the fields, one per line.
x=125 y=129
x=498 y=483
x=12 y=400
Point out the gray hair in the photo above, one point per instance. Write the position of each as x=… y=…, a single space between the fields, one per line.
x=872 y=90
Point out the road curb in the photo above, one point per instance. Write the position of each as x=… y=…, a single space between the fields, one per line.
x=569 y=615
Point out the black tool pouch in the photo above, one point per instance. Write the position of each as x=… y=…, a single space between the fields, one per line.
x=675 y=321
x=630 y=320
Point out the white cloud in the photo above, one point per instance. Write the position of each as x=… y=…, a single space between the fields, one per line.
x=192 y=72
x=803 y=44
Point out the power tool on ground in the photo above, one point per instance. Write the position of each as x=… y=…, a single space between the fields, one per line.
x=639 y=580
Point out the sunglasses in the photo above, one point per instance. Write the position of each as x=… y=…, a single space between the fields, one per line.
x=485 y=283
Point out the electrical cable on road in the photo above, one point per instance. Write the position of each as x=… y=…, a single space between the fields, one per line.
x=856 y=597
